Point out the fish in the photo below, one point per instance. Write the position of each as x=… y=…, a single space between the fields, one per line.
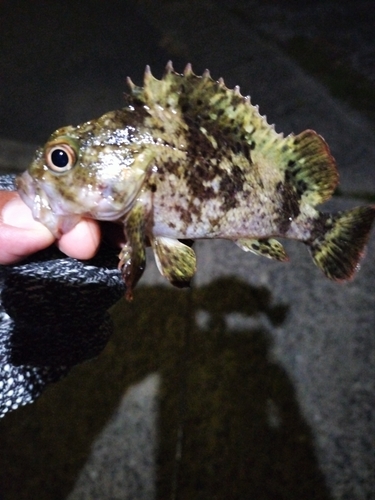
x=187 y=158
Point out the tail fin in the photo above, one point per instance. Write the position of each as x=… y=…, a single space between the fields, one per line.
x=339 y=241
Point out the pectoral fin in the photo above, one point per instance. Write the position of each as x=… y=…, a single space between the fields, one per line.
x=175 y=260
x=269 y=248
x=133 y=254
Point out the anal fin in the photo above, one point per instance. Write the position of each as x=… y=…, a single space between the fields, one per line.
x=175 y=260
x=270 y=248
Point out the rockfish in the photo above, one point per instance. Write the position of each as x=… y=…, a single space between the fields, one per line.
x=188 y=158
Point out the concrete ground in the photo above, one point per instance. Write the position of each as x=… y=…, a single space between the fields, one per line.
x=259 y=382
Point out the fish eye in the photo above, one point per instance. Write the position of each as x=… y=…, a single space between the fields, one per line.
x=60 y=157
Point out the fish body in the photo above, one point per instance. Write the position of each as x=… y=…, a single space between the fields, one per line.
x=188 y=158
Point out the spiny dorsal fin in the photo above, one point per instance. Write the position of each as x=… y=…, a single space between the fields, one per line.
x=204 y=97
x=135 y=91
x=188 y=70
x=169 y=68
x=303 y=161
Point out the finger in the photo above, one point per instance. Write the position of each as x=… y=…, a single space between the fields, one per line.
x=17 y=214
x=81 y=242
x=20 y=234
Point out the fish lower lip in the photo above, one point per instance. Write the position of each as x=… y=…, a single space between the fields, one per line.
x=32 y=196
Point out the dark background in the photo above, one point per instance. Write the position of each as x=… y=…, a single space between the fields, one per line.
x=63 y=61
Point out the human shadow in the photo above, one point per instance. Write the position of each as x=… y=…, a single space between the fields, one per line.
x=243 y=433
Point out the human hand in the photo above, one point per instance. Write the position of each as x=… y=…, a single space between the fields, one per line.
x=21 y=235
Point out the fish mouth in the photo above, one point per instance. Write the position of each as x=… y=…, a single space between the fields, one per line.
x=37 y=200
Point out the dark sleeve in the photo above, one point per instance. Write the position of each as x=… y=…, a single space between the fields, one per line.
x=54 y=315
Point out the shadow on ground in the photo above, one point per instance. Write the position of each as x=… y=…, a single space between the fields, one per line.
x=243 y=434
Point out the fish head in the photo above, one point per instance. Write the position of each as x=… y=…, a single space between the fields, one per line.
x=93 y=170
